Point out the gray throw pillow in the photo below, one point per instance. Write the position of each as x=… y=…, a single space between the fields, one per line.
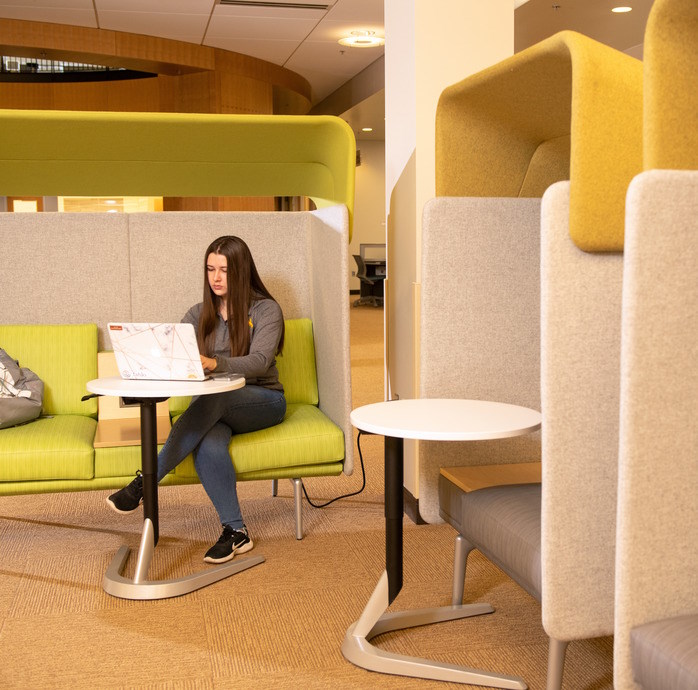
x=21 y=392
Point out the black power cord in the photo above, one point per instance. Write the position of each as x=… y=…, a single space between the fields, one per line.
x=336 y=498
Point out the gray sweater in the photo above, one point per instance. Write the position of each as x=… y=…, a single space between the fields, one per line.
x=259 y=366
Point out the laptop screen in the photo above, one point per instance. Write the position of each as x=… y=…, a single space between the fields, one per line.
x=157 y=351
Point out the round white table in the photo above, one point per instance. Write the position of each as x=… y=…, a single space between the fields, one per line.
x=446 y=419
x=433 y=420
x=142 y=388
x=147 y=394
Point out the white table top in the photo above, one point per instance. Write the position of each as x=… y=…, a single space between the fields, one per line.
x=442 y=419
x=139 y=388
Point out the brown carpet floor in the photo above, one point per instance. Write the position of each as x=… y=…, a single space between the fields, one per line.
x=277 y=625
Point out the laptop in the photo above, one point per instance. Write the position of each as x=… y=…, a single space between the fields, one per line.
x=156 y=351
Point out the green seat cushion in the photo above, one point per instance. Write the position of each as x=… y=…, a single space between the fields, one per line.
x=64 y=357
x=305 y=437
x=118 y=461
x=57 y=447
x=177 y=404
x=331 y=469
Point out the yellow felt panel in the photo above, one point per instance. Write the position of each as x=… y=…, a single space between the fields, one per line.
x=550 y=161
x=671 y=86
x=503 y=132
x=65 y=153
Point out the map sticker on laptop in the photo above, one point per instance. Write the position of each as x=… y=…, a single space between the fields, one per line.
x=157 y=351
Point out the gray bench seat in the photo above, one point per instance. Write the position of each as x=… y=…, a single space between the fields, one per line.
x=665 y=654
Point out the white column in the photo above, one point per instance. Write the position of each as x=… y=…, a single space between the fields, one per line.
x=430 y=44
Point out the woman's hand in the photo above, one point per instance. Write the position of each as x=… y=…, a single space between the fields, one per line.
x=208 y=363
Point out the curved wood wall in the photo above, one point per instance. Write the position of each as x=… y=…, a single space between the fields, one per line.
x=188 y=78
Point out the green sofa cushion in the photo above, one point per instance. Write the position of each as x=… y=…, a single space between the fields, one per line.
x=296 y=367
x=118 y=461
x=305 y=437
x=330 y=469
x=64 y=357
x=57 y=447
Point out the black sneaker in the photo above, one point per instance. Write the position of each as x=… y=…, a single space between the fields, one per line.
x=126 y=500
x=232 y=541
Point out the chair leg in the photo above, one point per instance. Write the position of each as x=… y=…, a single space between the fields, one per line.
x=556 y=663
x=297 y=496
x=274 y=487
x=463 y=548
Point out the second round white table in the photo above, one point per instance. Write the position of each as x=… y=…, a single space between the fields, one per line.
x=434 y=420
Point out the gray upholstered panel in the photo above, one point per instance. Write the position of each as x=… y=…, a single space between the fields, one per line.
x=665 y=654
x=657 y=558
x=580 y=383
x=64 y=268
x=167 y=258
x=480 y=323
x=329 y=256
x=504 y=523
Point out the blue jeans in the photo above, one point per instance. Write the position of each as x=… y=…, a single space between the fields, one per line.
x=205 y=429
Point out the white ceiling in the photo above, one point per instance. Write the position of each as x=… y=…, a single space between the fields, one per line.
x=535 y=20
x=300 y=35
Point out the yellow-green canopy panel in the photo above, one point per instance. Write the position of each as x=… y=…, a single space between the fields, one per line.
x=671 y=86
x=566 y=108
x=65 y=153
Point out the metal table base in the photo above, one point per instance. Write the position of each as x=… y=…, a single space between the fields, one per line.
x=358 y=649
x=140 y=587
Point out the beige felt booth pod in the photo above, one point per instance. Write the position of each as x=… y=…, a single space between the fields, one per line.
x=656 y=626
x=656 y=638
x=536 y=290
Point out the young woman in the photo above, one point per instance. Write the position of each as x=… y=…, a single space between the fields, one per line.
x=240 y=328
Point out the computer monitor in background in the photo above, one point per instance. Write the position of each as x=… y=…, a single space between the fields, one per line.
x=372 y=253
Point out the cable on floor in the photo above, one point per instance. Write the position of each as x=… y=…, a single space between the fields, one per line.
x=336 y=498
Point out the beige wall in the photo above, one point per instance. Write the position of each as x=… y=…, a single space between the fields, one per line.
x=430 y=44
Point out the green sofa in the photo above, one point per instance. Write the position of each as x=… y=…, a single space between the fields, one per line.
x=56 y=453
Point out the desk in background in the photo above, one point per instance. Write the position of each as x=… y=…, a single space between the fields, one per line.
x=372 y=269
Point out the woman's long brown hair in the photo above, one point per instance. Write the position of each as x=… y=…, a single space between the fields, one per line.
x=244 y=287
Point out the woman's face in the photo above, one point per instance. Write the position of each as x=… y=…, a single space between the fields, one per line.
x=217 y=272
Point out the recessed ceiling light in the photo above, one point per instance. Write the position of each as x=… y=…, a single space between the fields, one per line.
x=619 y=10
x=367 y=129
x=362 y=39
x=110 y=201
